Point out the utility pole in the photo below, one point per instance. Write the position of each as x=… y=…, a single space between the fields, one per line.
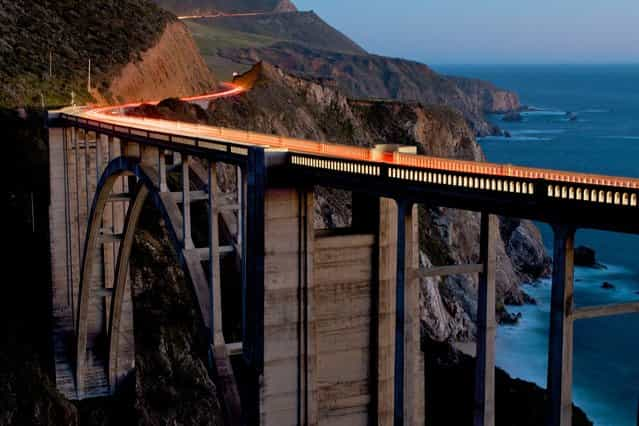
x=89 y=79
x=33 y=225
x=50 y=64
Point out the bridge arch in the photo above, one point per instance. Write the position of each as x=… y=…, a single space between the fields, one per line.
x=118 y=168
x=147 y=187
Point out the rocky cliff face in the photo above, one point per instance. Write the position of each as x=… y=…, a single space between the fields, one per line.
x=172 y=383
x=489 y=97
x=172 y=67
x=284 y=104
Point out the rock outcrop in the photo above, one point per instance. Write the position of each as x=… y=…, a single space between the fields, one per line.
x=450 y=374
x=490 y=98
x=368 y=76
x=172 y=383
x=586 y=256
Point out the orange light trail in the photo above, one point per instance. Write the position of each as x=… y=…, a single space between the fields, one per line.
x=111 y=115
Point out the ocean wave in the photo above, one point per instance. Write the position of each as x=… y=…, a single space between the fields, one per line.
x=515 y=139
x=543 y=112
x=628 y=138
x=595 y=111
x=537 y=132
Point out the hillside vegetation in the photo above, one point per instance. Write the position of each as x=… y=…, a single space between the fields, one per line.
x=110 y=33
x=303 y=28
x=220 y=38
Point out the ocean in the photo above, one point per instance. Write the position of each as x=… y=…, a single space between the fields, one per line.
x=603 y=139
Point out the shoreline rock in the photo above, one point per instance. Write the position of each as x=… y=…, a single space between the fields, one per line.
x=509 y=318
x=587 y=257
x=513 y=117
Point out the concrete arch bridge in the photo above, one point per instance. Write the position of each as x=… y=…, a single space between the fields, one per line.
x=330 y=321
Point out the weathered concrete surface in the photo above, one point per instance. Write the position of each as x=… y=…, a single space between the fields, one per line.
x=322 y=317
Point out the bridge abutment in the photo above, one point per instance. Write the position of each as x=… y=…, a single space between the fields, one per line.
x=330 y=316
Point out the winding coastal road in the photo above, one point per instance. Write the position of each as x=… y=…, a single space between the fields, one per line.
x=222 y=15
x=116 y=115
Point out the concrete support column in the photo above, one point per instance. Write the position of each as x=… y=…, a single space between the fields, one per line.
x=131 y=149
x=240 y=202
x=253 y=283
x=386 y=306
x=149 y=156
x=215 y=292
x=560 y=346
x=162 y=170
x=186 y=204
x=484 y=410
x=403 y=210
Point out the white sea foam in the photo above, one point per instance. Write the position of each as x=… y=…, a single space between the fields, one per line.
x=516 y=138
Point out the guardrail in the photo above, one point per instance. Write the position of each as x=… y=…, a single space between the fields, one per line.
x=525 y=181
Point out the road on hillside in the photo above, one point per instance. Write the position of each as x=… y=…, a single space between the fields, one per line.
x=223 y=15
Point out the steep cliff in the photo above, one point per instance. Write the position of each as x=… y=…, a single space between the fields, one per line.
x=488 y=96
x=284 y=104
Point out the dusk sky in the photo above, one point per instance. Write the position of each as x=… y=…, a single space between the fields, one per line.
x=490 y=31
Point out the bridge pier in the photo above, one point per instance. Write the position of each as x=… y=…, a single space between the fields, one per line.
x=484 y=412
x=560 y=349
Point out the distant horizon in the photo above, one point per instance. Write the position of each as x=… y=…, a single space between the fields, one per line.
x=451 y=32
x=540 y=64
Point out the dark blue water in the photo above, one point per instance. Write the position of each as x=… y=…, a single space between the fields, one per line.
x=604 y=139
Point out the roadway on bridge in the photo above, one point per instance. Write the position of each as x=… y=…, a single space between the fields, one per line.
x=116 y=115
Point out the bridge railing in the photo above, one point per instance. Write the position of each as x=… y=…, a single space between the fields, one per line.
x=485 y=177
x=393 y=165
